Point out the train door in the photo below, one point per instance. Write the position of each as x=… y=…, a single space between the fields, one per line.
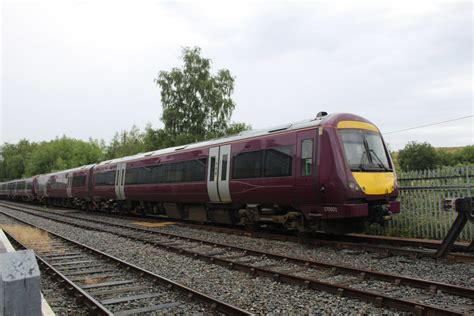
x=218 y=174
x=305 y=166
x=69 y=184
x=120 y=181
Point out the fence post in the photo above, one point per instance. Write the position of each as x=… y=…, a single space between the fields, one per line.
x=421 y=195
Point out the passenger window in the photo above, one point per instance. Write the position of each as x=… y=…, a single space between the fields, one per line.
x=306 y=157
x=278 y=161
x=78 y=181
x=144 y=175
x=110 y=178
x=131 y=177
x=224 y=168
x=248 y=165
x=211 y=170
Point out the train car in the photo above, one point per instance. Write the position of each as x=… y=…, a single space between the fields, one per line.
x=19 y=189
x=332 y=173
x=66 y=188
x=22 y=190
x=57 y=188
x=29 y=194
x=80 y=186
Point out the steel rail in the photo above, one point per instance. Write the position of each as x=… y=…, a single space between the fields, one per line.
x=341 y=243
x=214 y=303
x=378 y=299
x=410 y=242
x=397 y=279
x=95 y=306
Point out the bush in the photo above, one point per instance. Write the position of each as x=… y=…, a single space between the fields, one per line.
x=418 y=156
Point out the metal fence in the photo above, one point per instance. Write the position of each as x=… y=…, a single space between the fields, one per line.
x=421 y=201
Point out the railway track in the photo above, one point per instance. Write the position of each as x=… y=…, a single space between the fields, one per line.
x=336 y=279
x=409 y=247
x=412 y=248
x=109 y=286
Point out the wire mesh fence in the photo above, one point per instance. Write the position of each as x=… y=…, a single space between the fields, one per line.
x=421 y=201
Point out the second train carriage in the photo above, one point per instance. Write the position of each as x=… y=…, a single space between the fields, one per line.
x=332 y=173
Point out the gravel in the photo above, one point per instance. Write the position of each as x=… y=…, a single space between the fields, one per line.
x=258 y=295
x=63 y=303
x=461 y=274
x=60 y=301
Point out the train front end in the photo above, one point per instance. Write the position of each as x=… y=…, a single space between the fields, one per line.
x=371 y=173
x=357 y=180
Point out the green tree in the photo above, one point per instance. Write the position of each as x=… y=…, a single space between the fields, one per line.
x=465 y=155
x=14 y=159
x=197 y=105
x=125 y=144
x=445 y=158
x=62 y=153
x=417 y=156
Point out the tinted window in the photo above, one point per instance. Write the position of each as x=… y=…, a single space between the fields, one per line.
x=131 y=176
x=184 y=171
x=29 y=185
x=59 y=185
x=99 y=179
x=110 y=178
x=248 y=165
x=105 y=178
x=78 y=181
x=172 y=173
x=212 y=169
x=196 y=170
x=224 y=168
x=144 y=175
x=278 y=161
x=306 y=157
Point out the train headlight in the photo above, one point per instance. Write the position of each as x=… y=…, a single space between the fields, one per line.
x=353 y=186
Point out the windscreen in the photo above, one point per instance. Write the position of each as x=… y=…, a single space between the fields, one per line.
x=364 y=150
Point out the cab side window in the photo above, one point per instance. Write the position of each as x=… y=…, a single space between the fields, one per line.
x=306 y=157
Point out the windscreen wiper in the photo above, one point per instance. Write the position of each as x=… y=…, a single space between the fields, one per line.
x=379 y=161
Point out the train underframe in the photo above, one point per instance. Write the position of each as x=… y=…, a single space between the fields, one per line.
x=253 y=216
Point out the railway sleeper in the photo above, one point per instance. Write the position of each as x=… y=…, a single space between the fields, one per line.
x=317 y=284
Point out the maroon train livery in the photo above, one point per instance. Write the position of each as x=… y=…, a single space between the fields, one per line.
x=333 y=173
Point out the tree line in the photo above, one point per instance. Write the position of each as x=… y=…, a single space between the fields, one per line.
x=197 y=105
x=421 y=156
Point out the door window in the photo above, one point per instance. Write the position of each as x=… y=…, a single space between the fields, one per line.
x=211 y=170
x=224 y=168
x=306 y=157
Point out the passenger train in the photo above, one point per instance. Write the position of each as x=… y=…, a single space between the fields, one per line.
x=332 y=173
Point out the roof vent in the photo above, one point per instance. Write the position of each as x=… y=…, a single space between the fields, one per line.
x=280 y=128
x=321 y=114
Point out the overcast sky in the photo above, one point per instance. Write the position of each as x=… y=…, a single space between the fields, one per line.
x=86 y=68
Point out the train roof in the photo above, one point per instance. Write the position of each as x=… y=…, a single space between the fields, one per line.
x=84 y=167
x=244 y=135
